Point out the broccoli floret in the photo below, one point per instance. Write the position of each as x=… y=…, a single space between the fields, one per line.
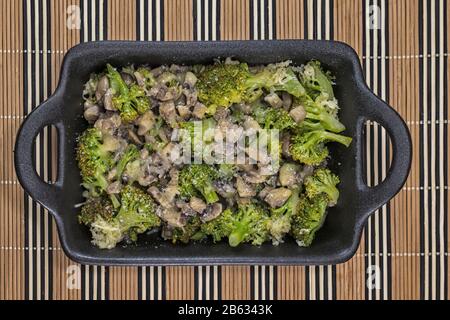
x=224 y=84
x=188 y=231
x=130 y=102
x=200 y=131
x=198 y=178
x=94 y=156
x=95 y=207
x=323 y=181
x=317 y=113
x=273 y=118
x=309 y=218
x=309 y=147
x=220 y=227
x=279 y=223
x=131 y=154
x=137 y=213
x=316 y=81
x=249 y=225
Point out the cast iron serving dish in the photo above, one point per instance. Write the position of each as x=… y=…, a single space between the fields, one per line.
x=336 y=242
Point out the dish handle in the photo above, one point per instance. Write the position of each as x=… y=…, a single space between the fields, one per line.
x=371 y=198
x=47 y=194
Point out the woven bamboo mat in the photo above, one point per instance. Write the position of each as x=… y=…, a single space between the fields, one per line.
x=403 y=46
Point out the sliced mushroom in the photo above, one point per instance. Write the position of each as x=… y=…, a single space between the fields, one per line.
x=168 y=113
x=145 y=122
x=191 y=97
x=277 y=197
x=298 y=113
x=133 y=137
x=184 y=112
x=212 y=212
x=286 y=145
x=127 y=78
x=172 y=216
x=306 y=172
x=199 y=110
x=225 y=190
x=287 y=100
x=251 y=124
x=244 y=189
x=108 y=123
x=264 y=192
x=91 y=114
x=274 y=100
x=288 y=175
x=102 y=87
x=190 y=79
x=197 y=204
x=107 y=100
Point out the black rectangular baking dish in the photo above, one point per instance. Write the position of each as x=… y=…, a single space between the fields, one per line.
x=336 y=242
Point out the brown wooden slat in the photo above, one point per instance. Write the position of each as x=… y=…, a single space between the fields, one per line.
x=180 y=283
x=290 y=19
x=121 y=22
x=235 y=20
x=178 y=20
x=235 y=282
x=348 y=23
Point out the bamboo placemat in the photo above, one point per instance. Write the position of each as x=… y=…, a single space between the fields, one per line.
x=403 y=46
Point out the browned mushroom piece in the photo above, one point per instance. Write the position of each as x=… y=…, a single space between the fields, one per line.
x=225 y=190
x=306 y=171
x=102 y=87
x=91 y=114
x=277 y=197
x=197 y=204
x=287 y=100
x=264 y=192
x=274 y=100
x=184 y=111
x=145 y=122
x=168 y=113
x=212 y=212
x=127 y=78
x=199 y=110
x=190 y=79
x=298 y=113
x=244 y=189
x=107 y=100
x=286 y=145
x=134 y=138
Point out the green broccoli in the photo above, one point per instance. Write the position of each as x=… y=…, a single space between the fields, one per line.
x=309 y=218
x=279 y=223
x=249 y=225
x=188 y=232
x=130 y=154
x=137 y=212
x=130 y=102
x=220 y=227
x=273 y=118
x=323 y=181
x=316 y=81
x=95 y=207
x=224 y=84
x=309 y=147
x=317 y=113
x=136 y=215
x=226 y=171
x=94 y=156
x=198 y=178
